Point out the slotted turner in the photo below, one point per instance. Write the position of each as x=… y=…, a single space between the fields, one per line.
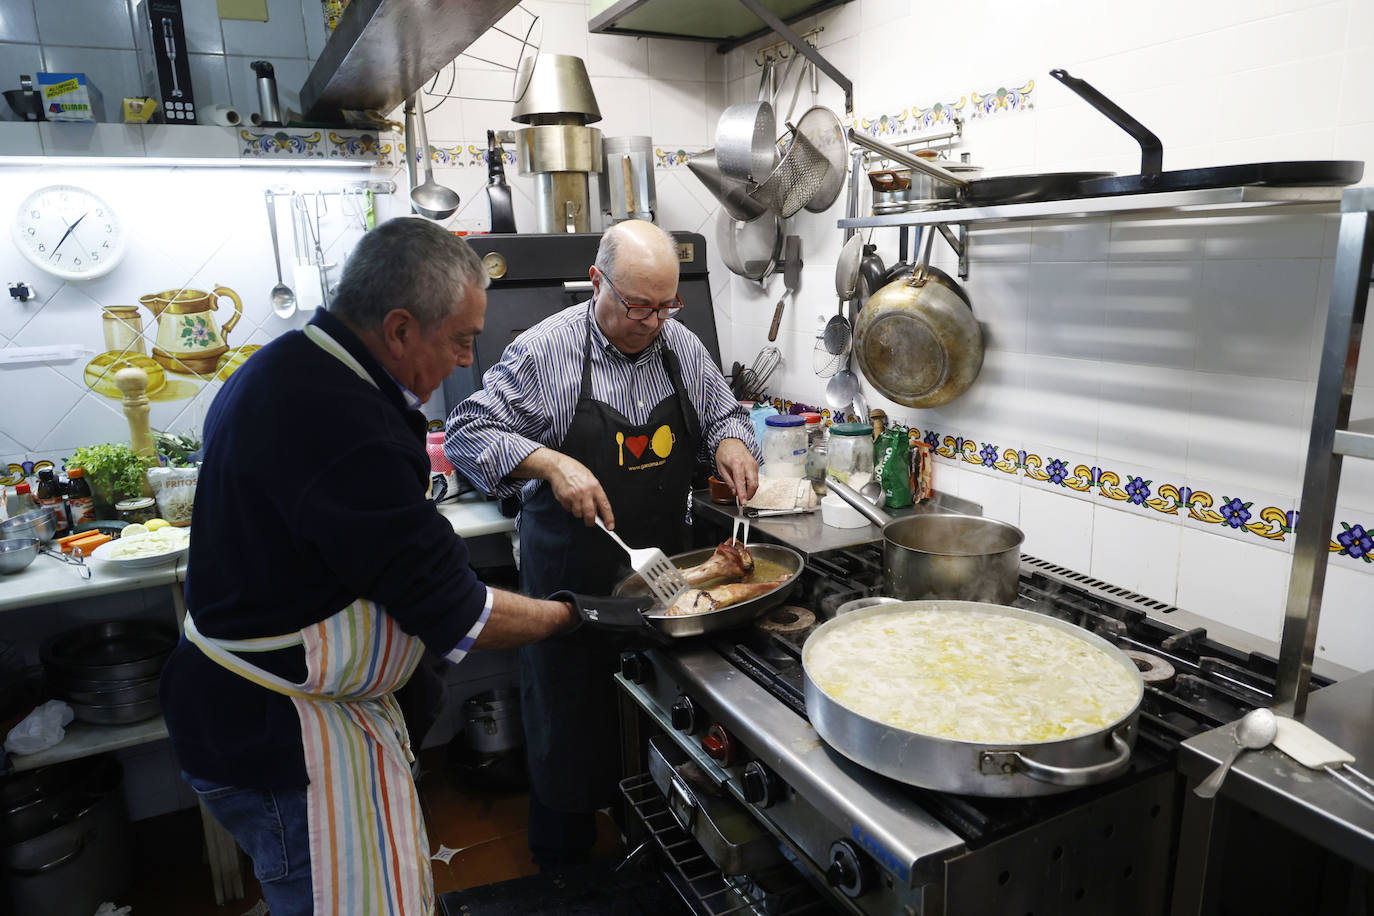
x=664 y=579
x=1315 y=752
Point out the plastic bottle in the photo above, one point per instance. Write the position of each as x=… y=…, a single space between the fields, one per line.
x=443 y=478
x=80 y=500
x=20 y=500
x=784 y=447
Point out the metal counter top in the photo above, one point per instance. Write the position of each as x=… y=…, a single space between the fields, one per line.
x=808 y=535
x=1312 y=803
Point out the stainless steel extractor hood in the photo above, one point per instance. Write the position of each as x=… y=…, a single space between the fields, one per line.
x=384 y=50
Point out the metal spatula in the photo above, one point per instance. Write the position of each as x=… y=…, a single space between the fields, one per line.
x=664 y=579
x=1315 y=752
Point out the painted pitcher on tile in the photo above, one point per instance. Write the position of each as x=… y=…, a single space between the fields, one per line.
x=189 y=340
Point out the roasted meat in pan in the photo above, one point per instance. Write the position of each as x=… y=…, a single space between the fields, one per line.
x=702 y=601
x=732 y=561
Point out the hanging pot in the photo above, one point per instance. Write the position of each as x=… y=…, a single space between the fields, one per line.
x=917 y=341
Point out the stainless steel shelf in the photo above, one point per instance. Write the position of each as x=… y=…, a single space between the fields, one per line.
x=1356 y=440
x=1171 y=203
x=83 y=740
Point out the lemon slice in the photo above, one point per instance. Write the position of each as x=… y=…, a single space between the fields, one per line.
x=134 y=530
x=153 y=524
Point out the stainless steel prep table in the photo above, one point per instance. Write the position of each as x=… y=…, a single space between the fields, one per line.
x=1311 y=803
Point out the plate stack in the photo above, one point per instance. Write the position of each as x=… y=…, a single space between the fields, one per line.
x=108 y=672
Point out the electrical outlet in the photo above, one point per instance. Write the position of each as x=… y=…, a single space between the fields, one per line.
x=21 y=291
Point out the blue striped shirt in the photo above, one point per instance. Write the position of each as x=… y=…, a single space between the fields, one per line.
x=528 y=398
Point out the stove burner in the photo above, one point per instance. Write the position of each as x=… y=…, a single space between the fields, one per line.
x=787 y=620
x=1155 y=670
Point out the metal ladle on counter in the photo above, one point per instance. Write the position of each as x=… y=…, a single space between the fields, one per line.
x=429 y=199
x=1256 y=729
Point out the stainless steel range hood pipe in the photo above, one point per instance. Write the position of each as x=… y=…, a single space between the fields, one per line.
x=558 y=149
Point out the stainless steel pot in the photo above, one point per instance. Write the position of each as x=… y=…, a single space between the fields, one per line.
x=492 y=721
x=944 y=555
x=969 y=767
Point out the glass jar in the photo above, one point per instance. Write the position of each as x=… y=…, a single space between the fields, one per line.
x=815 y=451
x=784 y=447
x=137 y=510
x=850 y=453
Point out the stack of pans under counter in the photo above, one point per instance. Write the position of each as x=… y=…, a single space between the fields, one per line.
x=108 y=672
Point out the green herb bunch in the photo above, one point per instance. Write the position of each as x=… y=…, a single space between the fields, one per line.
x=113 y=469
x=176 y=449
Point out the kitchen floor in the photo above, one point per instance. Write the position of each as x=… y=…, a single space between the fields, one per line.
x=486 y=827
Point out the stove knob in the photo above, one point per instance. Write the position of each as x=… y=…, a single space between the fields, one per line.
x=761 y=787
x=635 y=667
x=849 y=871
x=684 y=714
x=719 y=746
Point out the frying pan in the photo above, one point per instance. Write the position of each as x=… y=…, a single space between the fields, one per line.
x=1004 y=189
x=1152 y=178
x=735 y=615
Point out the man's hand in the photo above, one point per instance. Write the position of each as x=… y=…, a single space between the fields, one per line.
x=574 y=485
x=737 y=467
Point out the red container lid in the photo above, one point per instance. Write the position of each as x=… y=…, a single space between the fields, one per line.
x=810 y=417
x=21 y=488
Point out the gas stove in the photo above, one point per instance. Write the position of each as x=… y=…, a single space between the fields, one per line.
x=868 y=844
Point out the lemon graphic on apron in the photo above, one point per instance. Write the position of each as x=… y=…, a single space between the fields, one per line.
x=662 y=443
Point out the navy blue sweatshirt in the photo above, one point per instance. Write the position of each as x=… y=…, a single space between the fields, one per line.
x=311 y=494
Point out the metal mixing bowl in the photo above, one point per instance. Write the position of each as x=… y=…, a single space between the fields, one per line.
x=38 y=524
x=17 y=554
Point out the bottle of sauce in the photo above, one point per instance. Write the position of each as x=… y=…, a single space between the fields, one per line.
x=80 y=500
x=20 y=500
x=50 y=497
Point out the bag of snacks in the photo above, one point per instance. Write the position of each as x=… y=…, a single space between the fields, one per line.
x=892 y=466
x=922 y=471
x=175 y=491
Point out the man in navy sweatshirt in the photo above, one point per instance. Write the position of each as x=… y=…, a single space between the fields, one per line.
x=319 y=571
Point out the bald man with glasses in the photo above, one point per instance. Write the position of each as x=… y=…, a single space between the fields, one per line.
x=605 y=408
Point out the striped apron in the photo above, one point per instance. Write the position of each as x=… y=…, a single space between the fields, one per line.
x=369 y=852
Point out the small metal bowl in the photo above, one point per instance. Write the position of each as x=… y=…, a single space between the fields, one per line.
x=17 y=554
x=38 y=524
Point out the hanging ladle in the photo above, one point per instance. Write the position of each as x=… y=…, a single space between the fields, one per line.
x=283 y=300
x=429 y=199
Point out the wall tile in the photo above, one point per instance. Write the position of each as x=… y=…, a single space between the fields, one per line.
x=281 y=36
x=565 y=27
x=1345 y=631
x=999 y=243
x=1062 y=401
x=1247 y=431
x=1257 y=317
x=677 y=112
x=1001 y=300
x=202 y=25
x=114 y=73
x=624 y=103
x=623 y=56
x=19 y=139
x=677 y=61
x=210 y=83
x=17 y=24
x=91 y=420
x=1142 y=490
x=1151 y=238
x=47 y=398
x=1000 y=499
x=1057 y=529
x=243 y=83
x=1237 y=584
x=1051 y=468
x=20 y=58
x=1241 y=513
x=1136 y=553
x=1150 y=314
x=1288 y=234
x=1066 y=310
x=87 y=23
x=1352 y=530
x=1074 y=240
x=1144 y=415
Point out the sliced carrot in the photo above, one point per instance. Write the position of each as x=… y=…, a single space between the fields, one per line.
x=88 y=541
x=75 y=537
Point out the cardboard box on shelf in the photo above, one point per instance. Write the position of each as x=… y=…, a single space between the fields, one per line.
x=69 y=97
x=165 y=59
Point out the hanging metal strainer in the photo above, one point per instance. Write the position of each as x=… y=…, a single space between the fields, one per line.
x=823 y=362
x=796 y=179
x=750 y=248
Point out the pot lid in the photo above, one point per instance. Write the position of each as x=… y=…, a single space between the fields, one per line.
x=852 y=429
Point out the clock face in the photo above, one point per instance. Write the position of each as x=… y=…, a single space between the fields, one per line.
x=69 y=232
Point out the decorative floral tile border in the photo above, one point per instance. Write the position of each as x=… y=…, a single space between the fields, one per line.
x=1270 y=523
x=459 y=153
x=975 y=105
x=286 y=143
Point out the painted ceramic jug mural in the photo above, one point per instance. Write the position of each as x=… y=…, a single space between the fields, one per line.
x=189 y=340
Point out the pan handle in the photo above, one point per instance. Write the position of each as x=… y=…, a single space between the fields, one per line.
x=873 y=144
x=999 y=762
x=847 y=493
x=1151 y=149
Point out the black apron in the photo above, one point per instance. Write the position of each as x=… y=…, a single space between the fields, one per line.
x=568 y=702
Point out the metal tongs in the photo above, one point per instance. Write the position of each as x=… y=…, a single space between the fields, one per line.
x=76 y=559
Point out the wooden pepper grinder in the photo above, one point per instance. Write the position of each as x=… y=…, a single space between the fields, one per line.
x=133 y=384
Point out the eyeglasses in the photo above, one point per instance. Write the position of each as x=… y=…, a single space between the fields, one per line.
x=642 y=312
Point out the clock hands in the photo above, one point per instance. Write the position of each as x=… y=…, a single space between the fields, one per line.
x=70 y=230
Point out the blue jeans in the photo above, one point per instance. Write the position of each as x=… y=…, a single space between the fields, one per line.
x=270 y=825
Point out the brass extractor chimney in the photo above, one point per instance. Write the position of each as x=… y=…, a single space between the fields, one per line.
x=558 y=148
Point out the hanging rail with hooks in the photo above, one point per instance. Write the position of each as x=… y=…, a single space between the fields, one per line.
x=351 y=188
x=782 y=50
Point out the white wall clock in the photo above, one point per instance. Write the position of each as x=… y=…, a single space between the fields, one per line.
x=69 y=232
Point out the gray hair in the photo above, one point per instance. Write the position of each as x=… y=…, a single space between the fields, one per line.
x=610 y=246
x=407 y=263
